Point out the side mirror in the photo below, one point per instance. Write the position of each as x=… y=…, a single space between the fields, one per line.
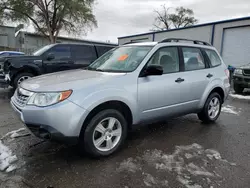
x=50 y=56
x=153 y=70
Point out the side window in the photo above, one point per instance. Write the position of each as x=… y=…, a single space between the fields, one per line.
x=83 y=52
x=61 y=52
x=168 y=58
x=102 y=49
x=193 y=59
x=214 y=58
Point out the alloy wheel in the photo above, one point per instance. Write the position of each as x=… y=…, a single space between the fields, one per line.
x=214 y=107
x=107 y=134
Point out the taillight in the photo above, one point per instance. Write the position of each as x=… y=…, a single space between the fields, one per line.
x=227 y=73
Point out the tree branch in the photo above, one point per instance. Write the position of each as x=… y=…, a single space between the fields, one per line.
x=28 y=16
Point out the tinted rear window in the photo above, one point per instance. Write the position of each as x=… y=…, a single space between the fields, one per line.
x=103 y=49
x=83 y=52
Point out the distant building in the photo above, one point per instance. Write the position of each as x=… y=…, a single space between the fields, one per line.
x=29 y=42
x=7 y=38
x=230 y=37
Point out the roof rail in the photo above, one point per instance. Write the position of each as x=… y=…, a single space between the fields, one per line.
x=178 y=39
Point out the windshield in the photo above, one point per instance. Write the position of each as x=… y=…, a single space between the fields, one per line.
x=121 y=59
x=42 y=50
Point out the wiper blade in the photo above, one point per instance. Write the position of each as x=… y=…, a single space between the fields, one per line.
x=94 y=69
x=99 y=70
x=88 y=68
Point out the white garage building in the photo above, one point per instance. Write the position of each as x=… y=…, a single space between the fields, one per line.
x=230 y=37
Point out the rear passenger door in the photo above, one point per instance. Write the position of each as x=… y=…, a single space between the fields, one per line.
x=195 y=76
x=83 y=55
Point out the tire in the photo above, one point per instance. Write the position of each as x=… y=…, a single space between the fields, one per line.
x=90 y=134
x=206 y=115
x=238 y=89
x=19 y=76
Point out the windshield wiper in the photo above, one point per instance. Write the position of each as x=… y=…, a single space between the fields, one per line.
x=88 y=68
x=94 y=69
x=100 y=70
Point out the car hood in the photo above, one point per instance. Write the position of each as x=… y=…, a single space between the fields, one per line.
x=20 y=57
x=73 y=79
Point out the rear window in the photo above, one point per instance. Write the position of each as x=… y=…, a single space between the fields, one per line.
x=83 y=52
x=193 y=59
x=103 y=49
x=214 y=58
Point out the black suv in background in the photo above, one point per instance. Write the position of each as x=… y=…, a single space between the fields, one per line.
x=48 y=59
x=241 y=78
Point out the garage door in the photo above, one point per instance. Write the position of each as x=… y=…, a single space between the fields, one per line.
x=236 y=46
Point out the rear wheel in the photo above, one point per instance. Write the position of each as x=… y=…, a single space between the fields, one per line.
x=104 y=134
x=238 y=89
x=212 y=108
x=21 y=77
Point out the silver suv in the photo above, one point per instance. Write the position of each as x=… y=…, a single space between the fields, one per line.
x=129 y=85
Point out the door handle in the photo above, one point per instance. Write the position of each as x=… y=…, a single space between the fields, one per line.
x=179 y=80
x=210 y=75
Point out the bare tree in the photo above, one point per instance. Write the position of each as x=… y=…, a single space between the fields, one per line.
x=162 y=20
x=181 y=17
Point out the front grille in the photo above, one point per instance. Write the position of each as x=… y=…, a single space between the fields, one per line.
x=21 y=96
x=246 y=72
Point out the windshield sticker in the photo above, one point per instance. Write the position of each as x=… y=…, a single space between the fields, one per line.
x=123 y=57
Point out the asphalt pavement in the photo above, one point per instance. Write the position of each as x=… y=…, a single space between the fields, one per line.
x=181 y=152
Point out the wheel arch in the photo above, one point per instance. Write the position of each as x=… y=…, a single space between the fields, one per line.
x=25 y=69
x=216 y=88
x=121 y=106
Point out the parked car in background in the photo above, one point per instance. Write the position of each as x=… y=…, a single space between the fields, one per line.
x=129 y=85
x=49 y=59
x=6 y=54
x=10 y=53
x=241 y=78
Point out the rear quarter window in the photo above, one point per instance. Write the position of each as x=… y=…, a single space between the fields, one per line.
x=213 y=57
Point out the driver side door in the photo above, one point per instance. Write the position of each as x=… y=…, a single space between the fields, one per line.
x=159 y=96
x=62 y=59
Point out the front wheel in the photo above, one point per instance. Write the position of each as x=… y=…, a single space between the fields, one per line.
x=105 y=133
x=21 y=77
x=212 y=108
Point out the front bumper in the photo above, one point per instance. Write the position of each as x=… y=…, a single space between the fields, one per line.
x=243 y=81
x=60 y=122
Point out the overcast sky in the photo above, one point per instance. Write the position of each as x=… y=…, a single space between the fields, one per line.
x=118 y=18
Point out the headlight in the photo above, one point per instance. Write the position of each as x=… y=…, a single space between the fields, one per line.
x=46 y=99
x=238 y=71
